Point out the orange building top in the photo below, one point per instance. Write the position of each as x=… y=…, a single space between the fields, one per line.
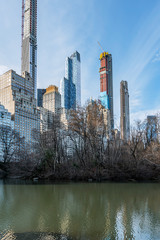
x=103 y=55
x=51 y=88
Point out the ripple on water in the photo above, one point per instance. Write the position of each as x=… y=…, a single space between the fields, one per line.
x=9 y=235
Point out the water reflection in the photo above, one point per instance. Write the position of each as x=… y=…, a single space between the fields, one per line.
x=32 y=236
x=105 y=211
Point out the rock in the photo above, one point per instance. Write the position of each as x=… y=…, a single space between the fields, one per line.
x=132 y=180
x=90 y=180
x=35 y=179
x=2 y=174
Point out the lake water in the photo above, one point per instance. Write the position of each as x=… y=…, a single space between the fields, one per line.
x=80 y=211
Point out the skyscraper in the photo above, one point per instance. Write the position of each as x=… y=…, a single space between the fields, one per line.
x=68 y=94
x=73 y=72
x=52 y=99
x=17 y=95
x=70 y=86
x=152 y=128
x=29 y=40
x=124 y=119
x=106 y=83
x=40 y=93
x=6 y=126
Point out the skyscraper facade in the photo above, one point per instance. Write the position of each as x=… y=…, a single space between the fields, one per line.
x=17 y=95
x=73 y=72
x=29 y=40
x=124 y=119
x=5 y=123
x=70 y=86
x=106 y=83
x=152 y=128
x=52 y=99
x=68 y=94
x=40 y=93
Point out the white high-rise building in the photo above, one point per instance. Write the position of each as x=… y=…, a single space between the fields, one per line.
x=17 y=95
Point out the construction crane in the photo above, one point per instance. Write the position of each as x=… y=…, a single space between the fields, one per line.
x=100 y=46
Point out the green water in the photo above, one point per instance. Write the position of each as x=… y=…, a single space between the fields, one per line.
x=86 y=211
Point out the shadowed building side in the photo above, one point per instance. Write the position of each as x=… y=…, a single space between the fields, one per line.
x=40 y=93
x=124 y=106
x=152 y=128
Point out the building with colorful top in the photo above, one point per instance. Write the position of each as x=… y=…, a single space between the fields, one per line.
x=106 y=84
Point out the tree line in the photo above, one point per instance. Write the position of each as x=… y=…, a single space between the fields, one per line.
x=84 y=149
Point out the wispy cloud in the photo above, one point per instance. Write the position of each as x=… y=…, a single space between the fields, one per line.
x=71 y=29
x=142 y=115
x=135 y=99
x=156 y=58
x=143 y=48
x=3 y=69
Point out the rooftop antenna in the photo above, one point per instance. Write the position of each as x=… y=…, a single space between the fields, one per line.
x=100 y=46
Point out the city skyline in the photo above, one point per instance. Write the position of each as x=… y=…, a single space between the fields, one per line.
x=135 y=51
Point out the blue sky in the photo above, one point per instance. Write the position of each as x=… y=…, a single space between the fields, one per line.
x=128 y=29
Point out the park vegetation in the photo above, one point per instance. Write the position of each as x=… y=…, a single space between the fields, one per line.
x=98 y=154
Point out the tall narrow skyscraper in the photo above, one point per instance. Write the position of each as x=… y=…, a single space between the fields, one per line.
x=106 y=83
x=125 y=119
x=73 y=71
x=70 y=86
x=29 y=40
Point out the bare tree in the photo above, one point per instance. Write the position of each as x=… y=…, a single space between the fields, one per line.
x=11 y=142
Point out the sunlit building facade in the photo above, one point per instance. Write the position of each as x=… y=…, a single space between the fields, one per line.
x=52 y=99
x=17 y=95
x=51 y=110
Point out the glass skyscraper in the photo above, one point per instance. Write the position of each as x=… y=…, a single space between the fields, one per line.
x=68 y=94
x=29 y=40
x=70 y=86
x=40 y=93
